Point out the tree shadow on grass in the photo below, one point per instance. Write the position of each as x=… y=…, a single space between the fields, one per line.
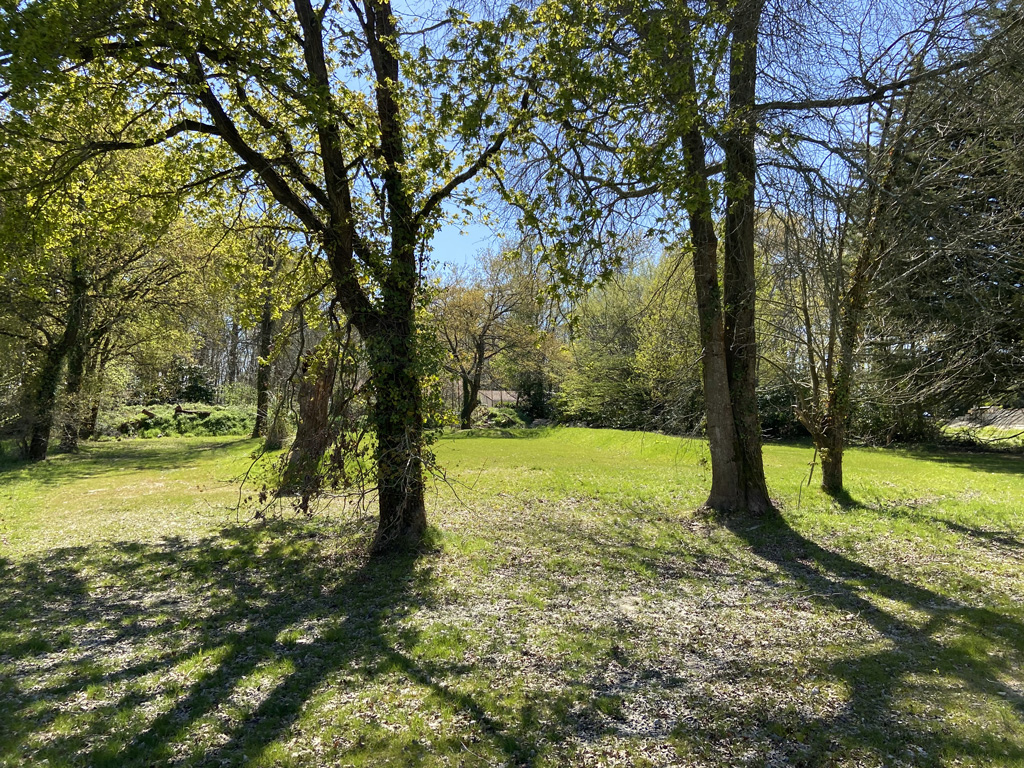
x=219 y=652
x=500 y=433
x=845 y=500
x=1005 y=541
x=267 y=646
x=99 y=459
x=951 y=643
x=980 y=461
x=873 y=660
x=873 y=692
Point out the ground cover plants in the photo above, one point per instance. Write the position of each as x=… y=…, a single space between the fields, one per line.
x=183 y=420
x=570 y=608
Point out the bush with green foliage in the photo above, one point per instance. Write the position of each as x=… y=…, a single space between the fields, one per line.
x=208 y=421
x=501 y=417
x=882 y=422
x=238 y=394
x=636 y=353
x=775 y=405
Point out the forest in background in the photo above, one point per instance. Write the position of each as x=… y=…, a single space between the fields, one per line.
x=713 y=223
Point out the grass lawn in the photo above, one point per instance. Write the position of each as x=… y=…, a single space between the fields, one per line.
x=572 y=609
x=994 y=437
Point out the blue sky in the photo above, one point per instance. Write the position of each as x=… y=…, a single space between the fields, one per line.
x=460 y=244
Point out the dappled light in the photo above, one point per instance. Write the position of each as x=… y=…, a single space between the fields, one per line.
x=547 y=621
x=559 y=384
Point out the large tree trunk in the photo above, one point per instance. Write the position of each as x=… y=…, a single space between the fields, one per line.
x=88 y=428
x=739 y=282
x=263 y=369
x=831 y=447
x=44 y=393
x=728 y=489
x=470 y=398
x=398 y=420
x=726 y=486
x=314 y=435
x=43 y=401
x=727 y=334
x=468 y=403
x=398 y=413
x=389 y=335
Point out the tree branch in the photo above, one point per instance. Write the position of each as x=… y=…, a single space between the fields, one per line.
x=255 y=159
x=185 y=126
x=880 y=91
x=440 y=195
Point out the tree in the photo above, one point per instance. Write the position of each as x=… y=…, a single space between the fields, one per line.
x=842 y=253
x=661 y=110
x=952 y=333
x=88 y=254
x=638 y=104
x=358 y=127
x=825 y=247
x=602 y=386
x=265 y=334
x=633 y=362
x=535 y=357
x=474 y=309
x=316 y=430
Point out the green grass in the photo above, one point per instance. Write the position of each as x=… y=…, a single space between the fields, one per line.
x=991 y=438
x=573 y=609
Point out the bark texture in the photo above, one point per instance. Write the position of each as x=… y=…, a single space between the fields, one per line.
x=398 y=422
x=726 y=308
x=72 y=417
x=314 y=434
x=43 y=402
x=739 y=284
x=43 y=397
x=266 y=332
x=471 y=390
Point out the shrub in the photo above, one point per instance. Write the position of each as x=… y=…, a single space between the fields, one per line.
x=502 y=417
x=278 y=430
x=207 y=421
x=238 y=394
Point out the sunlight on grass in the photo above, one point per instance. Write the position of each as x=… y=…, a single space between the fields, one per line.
x=129 y=490
x=574 y=609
